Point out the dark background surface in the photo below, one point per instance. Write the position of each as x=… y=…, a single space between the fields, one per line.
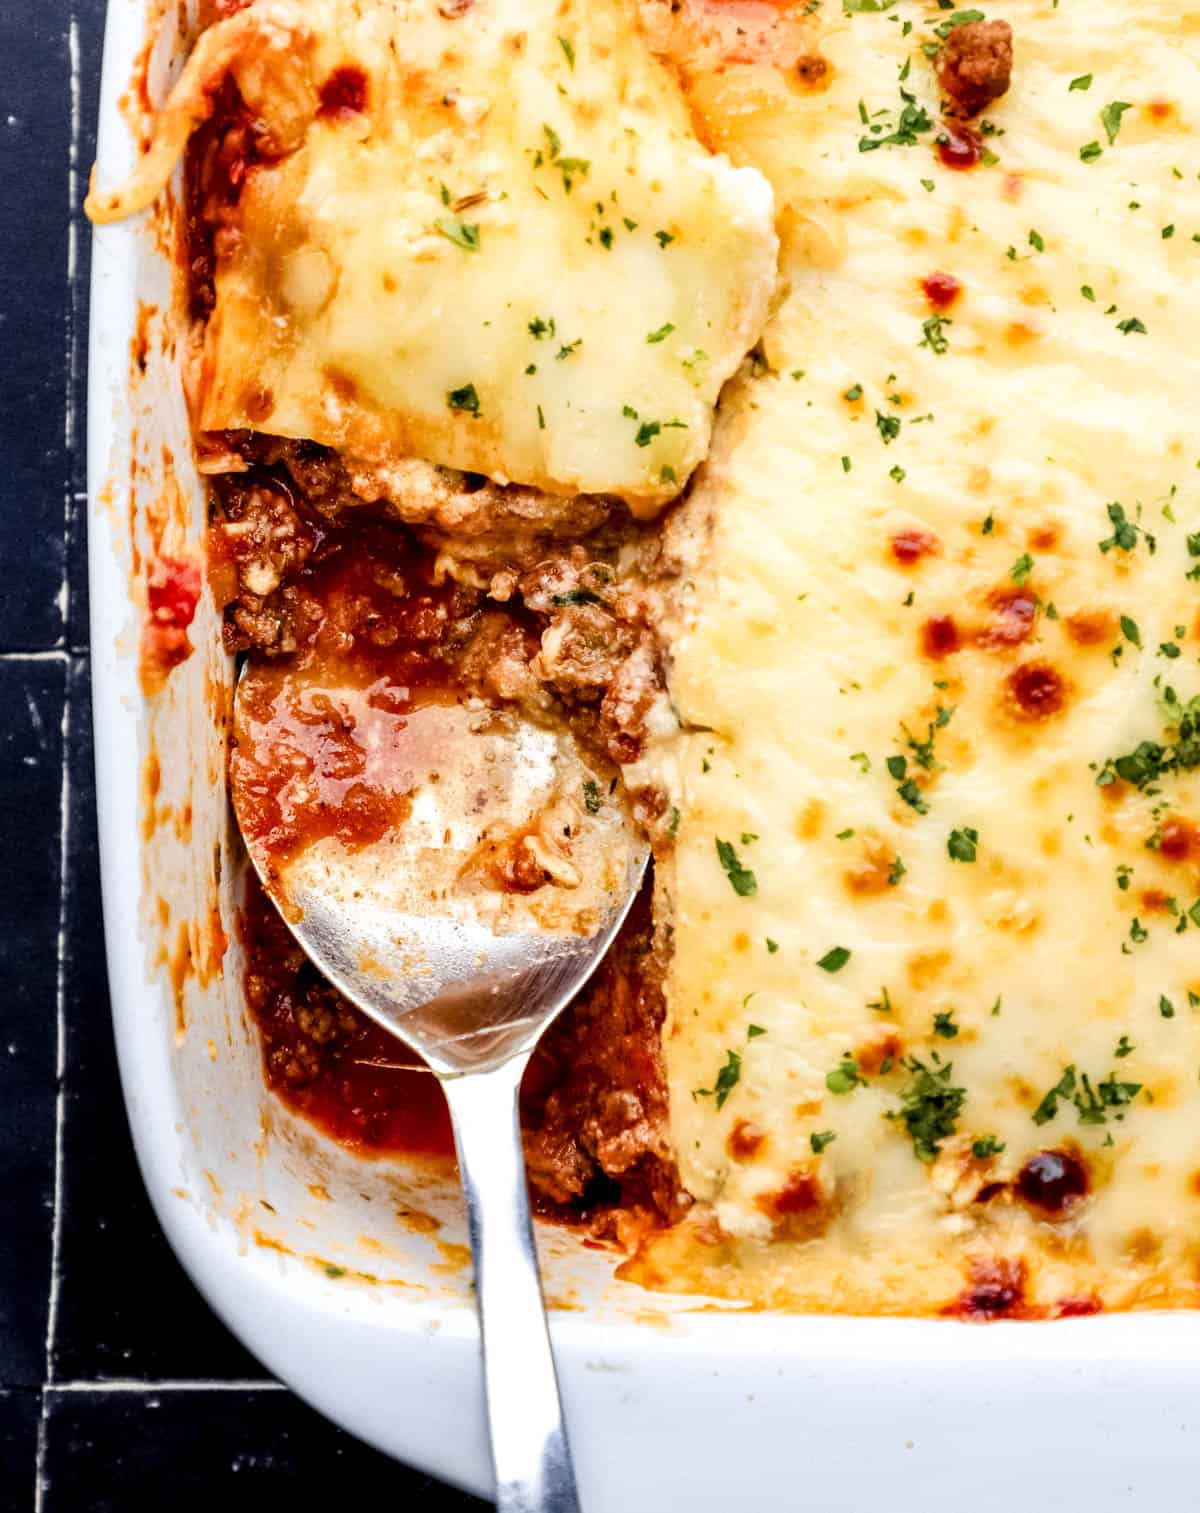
x=119 y=1390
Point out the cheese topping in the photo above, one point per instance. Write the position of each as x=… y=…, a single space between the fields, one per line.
x=935 y=985
x=483 y=235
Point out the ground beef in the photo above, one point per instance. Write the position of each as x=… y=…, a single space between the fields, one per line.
x=975 y=64
x=582 y=650
x=594 y=1102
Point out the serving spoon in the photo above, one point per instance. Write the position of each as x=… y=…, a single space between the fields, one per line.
x=440 y=928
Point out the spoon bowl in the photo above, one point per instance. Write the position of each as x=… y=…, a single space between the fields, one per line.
x=457 y=872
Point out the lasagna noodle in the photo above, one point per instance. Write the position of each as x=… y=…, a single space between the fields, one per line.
x=908 y=546
x=482 y=235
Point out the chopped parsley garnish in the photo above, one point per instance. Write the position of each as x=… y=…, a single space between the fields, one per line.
x=1081 y=81
x=568 y=349
x=649 y=429
x=591 y=797
x=986 y=1146
x=1021 y=568
x=1110 y=118
x=568 y=51
x=1129 y=629
x=962 y=844
x=539 y=329
x=1090 y=151
x=727 y=1079
x=661 y=334
x=1165 y=1007
x=1132 y=327
x=772 y=946
x=889 y=426
x=911 y=123
x=929 y=1106
x=754 y=1031
x=459 y=232
x=896 y=872
x=935 y=334
x=1125 y=531
x=959 y=18
x=834 y=959
x=577 y=596
x=944 y=1026
x=817 y=1143
x=845 y=1077
x=663 y=238
x=1124 y=1048
x=907 y=788
x=741 y=879
x=1150 y=761
x=1093 y=1103
x=464 y=399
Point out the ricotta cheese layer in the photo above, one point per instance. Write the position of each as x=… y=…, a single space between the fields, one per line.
x=934 y=1034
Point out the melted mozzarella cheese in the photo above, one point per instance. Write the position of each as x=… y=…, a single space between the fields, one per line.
x=497 y=244
x=913 y=636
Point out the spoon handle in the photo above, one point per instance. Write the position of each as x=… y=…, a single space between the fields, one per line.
x=530 y=1453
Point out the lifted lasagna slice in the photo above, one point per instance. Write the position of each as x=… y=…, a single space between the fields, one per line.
x=484 y=235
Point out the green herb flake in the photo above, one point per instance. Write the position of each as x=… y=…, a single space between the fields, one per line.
x=986 y=1147
x=591 y=797
x=930 y=1106
x=741 y=879
x=834 y=959
x=660 y=335
x=727 y=1079
x=845 y=1077
x=935 y=334
x=962 y=845
x=817 y=1143
x=459 y=232
x=1110 y=118
x=464 y=399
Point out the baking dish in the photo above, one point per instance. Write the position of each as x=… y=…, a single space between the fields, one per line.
x=346 y=1277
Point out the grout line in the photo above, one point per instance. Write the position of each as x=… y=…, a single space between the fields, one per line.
x=171 y=1385
x=69 y=432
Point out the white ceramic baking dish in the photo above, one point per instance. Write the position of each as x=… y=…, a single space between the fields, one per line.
x=325 y=1265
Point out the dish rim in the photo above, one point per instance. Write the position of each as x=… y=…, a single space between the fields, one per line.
x=322 y=1339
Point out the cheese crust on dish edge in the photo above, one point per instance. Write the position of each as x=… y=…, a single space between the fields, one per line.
x=928 y=828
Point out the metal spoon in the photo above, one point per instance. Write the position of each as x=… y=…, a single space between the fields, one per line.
x=415 y=930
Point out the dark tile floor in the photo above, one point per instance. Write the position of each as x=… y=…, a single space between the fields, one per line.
x=114 y=1395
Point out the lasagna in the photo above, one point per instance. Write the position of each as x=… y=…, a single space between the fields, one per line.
x=898 y=665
